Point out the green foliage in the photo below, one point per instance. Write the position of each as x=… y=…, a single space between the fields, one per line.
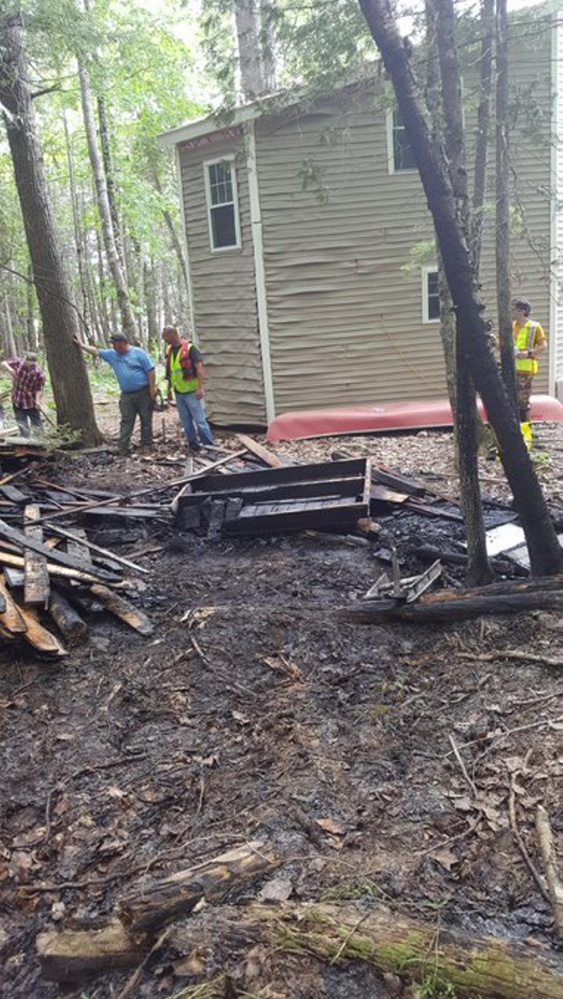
x=435 y=988
x=422 y=255
x=311 y=177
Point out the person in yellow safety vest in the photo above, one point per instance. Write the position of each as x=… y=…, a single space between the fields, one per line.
x=185 y=374
x=529 y=343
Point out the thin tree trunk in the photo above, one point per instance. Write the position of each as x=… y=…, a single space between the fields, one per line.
x=69 y=379
x=478 y=568
x=248 y=43
x=267 y=46
x=127 y=319
x=174 y=238
x=483 y=128
x=78 y=241
x=545 y=554
x=507 y=361
x=10 y=339
x=31 y=328
x=108 y=169
x=102 y=296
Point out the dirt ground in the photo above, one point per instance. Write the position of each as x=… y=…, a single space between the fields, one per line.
x=378 y=761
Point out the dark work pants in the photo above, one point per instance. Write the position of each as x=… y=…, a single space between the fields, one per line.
x=131 y=405
x=26 y=416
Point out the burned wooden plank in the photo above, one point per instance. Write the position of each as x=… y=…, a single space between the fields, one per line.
x=330 y=495
x=14 y=495
x=78 y=535
x=11 y=619
x=36 y=575
x=382 y=494
x=9 y=559
x=397 y=482
x=67 y=619
x=260 y=451
x=39 y=637
x=60 y=558
x=14 y=577
x=126 y=513
x=216 y=518
x=123 y=609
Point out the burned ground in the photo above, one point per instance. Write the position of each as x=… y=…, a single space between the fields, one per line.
x=255 y=712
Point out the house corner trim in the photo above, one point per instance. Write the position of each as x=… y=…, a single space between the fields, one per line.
x=259 y=269
x=184 y=242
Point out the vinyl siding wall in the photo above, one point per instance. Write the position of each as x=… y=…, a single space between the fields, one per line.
x=223 y=290
x=558 y=70
x=345 y=319
x=345 y=322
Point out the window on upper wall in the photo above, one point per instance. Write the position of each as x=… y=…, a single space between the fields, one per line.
x=430 y=295
x=222 y=204
x=399 y=148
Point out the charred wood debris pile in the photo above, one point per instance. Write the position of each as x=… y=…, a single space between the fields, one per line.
x=53 y=575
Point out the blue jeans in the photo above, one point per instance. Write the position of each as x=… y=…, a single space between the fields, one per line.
x=193 y=419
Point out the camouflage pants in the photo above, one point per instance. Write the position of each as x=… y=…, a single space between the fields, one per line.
x=524 y=387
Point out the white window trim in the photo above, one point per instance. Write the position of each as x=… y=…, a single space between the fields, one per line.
x=229 y=158
x=389 y=113
x=429 y=269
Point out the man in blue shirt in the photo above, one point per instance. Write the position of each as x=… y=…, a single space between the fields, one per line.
x=135 y=372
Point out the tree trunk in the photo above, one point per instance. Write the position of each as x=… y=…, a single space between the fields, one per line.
x=127 y=319
x=248 y=43
x=108 y=169
x=69 y=379
x=507 y=361
x=478 y=568
x=483 y=127
x=31 y=329
x=545 y=554
x=78 y=241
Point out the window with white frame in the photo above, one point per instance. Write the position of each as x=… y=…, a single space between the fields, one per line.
x=401 y=156
x=430 y=295
x=222 y=204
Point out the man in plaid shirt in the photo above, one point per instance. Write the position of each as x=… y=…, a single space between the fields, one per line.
x=27 y=385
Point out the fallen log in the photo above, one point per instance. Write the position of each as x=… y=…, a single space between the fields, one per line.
x=151 y=905
x=509 y=597
x=472 y=966
x=67 y=619
x=74 y=955
x=549 y=857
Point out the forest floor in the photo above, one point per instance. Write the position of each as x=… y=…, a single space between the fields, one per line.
x=329 y=741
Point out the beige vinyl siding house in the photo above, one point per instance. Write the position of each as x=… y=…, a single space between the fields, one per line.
x=317 y=301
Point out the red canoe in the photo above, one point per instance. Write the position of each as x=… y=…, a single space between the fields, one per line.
x=387 y=416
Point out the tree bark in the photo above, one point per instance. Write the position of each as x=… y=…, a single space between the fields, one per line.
x=108 y=169
x=545 y=553
x=510 y=597
x=507 y=362
x=248 y=43
x=69 y=379
x=78 y=240
x=478 y=568
x=127 y=318
x=483 y=128
x=472 y=966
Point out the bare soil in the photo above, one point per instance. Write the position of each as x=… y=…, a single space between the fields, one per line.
x=254 y=713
